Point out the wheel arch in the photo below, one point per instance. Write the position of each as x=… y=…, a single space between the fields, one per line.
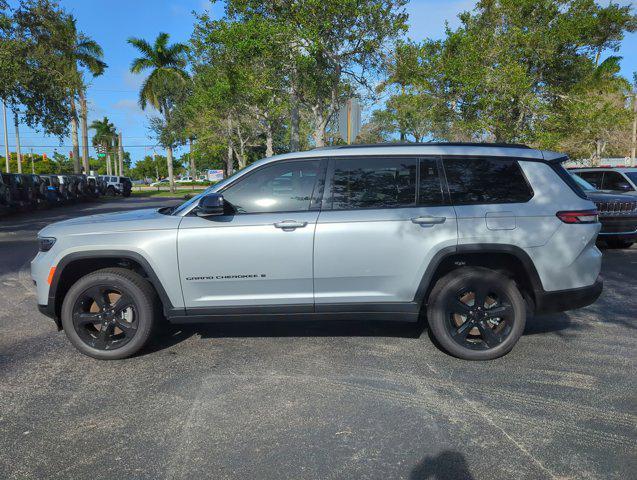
x=75 y=265
x=511 y=260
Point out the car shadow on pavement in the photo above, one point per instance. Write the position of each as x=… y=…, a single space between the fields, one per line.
x=170 y=335
x=447 y=465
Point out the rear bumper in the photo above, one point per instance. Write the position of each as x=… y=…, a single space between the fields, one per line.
x=562 y=300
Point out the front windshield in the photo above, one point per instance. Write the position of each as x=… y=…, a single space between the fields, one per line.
x=584 y=185
x=632 y=176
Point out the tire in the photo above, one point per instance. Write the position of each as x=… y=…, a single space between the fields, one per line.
x=477 y=335
x=619 y=243
x=137 y=321
x=110 y=191
x=127 y=193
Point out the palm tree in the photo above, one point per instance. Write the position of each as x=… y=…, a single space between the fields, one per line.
x=81 y=52
x=167 y=65
x=104 y=139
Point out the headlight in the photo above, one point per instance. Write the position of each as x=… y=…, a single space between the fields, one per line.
x=45 y=243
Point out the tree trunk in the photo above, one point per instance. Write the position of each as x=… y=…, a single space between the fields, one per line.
x=84 y=126
x=320 y=123
x=120 y=153
x=74 y=139
x=295 y=121
x=109 y=171
x=193 y=170
x=17 y=141
x=229 y=156
x=269 y=138
x=169 y=160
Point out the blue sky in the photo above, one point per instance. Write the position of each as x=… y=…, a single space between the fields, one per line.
x=115 y=93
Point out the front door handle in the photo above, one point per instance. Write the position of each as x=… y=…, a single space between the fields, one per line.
x=428 y=220
x=289 y=225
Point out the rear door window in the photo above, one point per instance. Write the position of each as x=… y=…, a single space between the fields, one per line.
x=475 y=181
x=373 y=182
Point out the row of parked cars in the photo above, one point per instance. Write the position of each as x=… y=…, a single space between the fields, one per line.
x=20 y=191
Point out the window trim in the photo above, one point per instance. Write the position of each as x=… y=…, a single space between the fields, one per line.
x=328 y=201
x=314 y=201
x=515 y=160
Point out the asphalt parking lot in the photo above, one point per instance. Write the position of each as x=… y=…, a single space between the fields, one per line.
x=315 y=401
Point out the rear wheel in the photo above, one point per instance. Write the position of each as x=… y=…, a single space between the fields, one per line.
x=109 y=314
x=110 y=191
x=476 y=313
x=619 y=243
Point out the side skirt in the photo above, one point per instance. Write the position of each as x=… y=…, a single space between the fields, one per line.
x=398 y=312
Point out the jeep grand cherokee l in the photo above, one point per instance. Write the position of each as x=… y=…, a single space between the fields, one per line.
x=473 y=235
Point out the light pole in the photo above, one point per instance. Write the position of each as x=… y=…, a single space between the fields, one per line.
x=633 y=145
x=6 y=136
x=17 y=140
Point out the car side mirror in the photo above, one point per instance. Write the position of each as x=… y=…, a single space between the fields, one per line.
x=210 y=205
x=624 y=187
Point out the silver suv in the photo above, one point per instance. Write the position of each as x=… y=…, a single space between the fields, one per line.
x=473 y=235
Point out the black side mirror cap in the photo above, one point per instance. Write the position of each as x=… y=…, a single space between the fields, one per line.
x=210 y=205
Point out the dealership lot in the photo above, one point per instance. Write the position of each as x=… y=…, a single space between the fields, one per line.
x=310 y=400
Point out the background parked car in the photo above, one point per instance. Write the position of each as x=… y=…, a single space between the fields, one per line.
x=117 y=185
x=164 y=182
x=617 y=214
x=612 y=179
x=39 y=189
x=5 y=193
x=51 y=192
x=20 y=193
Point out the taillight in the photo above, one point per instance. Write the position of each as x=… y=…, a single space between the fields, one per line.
x=578 y=216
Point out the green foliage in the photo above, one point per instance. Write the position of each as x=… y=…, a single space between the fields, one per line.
x=514 y=71
x=33 y=71
x=157 y=168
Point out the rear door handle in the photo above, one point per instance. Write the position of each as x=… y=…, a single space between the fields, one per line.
x=288 y=225
x=428 y=220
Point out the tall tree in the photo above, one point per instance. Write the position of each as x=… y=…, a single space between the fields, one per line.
x=81 y=53
x=166 y=81
x=33 y=74
x=104 y=139
x=330 y=44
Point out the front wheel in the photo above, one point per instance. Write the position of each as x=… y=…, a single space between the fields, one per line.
x=109 y=314
x=476 y=313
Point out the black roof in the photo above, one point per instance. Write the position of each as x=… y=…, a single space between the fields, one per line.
x=438 y=144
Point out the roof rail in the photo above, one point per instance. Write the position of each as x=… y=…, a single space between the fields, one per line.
x=426 y=144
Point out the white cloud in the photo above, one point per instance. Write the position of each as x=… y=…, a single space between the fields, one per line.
x=128 y=106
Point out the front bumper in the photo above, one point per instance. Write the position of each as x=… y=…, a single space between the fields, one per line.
x=562 y=300
x=618 y=227
x=49 y=312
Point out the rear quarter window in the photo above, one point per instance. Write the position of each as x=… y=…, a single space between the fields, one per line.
x=475 y=181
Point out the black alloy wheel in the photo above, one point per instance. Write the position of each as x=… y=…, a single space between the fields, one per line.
x=110 y=314
x=104 y=317
x=476 y=313
x=479 y=316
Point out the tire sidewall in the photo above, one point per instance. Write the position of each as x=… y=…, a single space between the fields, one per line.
x=143 y=306
x=436 y=312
